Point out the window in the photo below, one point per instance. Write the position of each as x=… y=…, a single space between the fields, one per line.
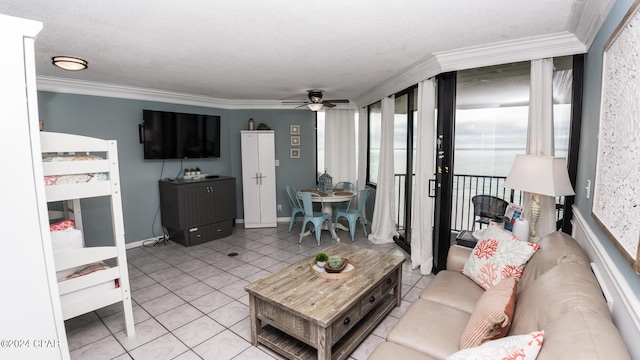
x=373 y=153
x=321 y=139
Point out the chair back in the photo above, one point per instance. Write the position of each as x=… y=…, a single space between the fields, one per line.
x=362 y=199
x=488 y=203
x=345 y=185
x=307 y=203
x=293 y=197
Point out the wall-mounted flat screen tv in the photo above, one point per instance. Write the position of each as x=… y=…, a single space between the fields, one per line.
x=170 y=135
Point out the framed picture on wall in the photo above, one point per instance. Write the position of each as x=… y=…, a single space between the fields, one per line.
x=295 y=129
x=617 y=181
x=295 y=153
x=295 y=140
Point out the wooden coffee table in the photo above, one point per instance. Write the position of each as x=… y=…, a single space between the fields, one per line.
x=302 y=316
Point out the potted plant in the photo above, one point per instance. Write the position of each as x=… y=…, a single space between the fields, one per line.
x=196 y=171
x=263 y=126
x=321 y=259
x=335 y=264
x=187 y=172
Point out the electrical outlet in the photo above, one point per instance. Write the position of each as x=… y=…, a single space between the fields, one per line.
x=279 y=207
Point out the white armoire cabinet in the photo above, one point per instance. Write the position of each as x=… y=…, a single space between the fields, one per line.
x=259 y=178
x=32 y=325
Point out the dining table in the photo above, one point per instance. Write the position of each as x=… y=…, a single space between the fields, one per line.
x=328 y=199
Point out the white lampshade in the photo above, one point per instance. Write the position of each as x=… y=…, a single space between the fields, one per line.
x=544 y=175
x=315 y=106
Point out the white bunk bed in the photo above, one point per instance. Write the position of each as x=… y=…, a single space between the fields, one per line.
x=68 y=182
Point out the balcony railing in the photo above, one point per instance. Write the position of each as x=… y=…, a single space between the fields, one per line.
x=464 y=188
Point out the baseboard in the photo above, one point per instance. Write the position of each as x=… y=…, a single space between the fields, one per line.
x=136 y=244
x=624 y=305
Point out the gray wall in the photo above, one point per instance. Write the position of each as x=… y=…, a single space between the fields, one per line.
x=589 y=138
x=118 y=119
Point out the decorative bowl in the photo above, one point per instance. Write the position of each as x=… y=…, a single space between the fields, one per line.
x=329 y=269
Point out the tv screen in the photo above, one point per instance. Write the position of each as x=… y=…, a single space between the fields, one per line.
x=169 y=135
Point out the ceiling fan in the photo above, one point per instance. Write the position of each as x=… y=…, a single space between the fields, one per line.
x=316 y=103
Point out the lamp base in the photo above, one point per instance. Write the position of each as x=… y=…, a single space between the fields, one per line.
x=534 y=214
x=521 y=229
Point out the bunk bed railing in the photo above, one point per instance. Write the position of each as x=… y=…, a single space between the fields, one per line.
x=67 y=259
x=60 y=142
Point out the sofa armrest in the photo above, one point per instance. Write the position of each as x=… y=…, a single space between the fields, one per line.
x=458 y=255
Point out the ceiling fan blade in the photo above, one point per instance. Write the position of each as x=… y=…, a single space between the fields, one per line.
x=328 y=104
x=341 y=101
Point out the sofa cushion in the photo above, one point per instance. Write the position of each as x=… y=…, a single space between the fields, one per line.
x=582 y=335
x=430 y=328
x=564 y=288
x=388 y=350
x=454 y=289
x=555 y=249
x=492 y=315
x=523 y=347
x=497 y=256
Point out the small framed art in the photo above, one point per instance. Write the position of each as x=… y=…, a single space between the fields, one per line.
x=295 y=140
x=295 y=153
x=295 y=129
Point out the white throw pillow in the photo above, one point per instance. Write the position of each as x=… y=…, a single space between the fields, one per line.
x=496 y=256
x=521 y=347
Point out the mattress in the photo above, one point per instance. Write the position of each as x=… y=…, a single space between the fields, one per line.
x=73 y=178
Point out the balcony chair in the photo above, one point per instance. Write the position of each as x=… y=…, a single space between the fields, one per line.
x=317 y=218
x=483 y=204
x=352 y=215
x=296 y=207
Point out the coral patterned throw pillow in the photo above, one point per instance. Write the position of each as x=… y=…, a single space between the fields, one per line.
x=518 y=347
x=497 y=256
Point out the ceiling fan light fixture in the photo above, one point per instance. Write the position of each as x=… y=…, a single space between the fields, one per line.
x=69 y=63
x=315 y=106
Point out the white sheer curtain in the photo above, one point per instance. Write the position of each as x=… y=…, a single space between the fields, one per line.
x=540 y=133
x=383 y=225
x=363 y=123
x=422 y=205
x=340 y=145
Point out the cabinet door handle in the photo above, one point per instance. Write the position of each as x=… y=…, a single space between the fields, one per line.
x=388 y=281
x=346 y=321
x=372 y=299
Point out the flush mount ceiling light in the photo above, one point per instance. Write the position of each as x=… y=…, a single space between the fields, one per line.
x=69 y=63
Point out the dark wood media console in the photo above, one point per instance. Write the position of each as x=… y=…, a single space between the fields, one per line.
x=197 y=211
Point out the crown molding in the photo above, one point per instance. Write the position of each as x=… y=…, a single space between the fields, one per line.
x=503 y=52
x=53 y=84
x=409 y=77
x=589 y=19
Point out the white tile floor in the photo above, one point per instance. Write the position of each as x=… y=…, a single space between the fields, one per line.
x=190 y=302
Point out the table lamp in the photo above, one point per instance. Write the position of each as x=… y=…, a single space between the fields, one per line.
x=539 y=175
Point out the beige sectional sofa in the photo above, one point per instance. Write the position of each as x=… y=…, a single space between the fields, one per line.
x=557 y=293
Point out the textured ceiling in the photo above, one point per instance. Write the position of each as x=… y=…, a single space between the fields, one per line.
x=272 y=50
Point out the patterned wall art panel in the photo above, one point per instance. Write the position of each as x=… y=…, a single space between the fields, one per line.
x=616 y=198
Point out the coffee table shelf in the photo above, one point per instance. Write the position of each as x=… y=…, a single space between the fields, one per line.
x=291 y=348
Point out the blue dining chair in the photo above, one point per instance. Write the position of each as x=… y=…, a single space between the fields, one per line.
x=296 y=207
x=352 y=215
x=316 y=218
x=344 y=185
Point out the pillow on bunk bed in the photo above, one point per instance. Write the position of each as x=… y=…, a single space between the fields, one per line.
x=62 y=225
